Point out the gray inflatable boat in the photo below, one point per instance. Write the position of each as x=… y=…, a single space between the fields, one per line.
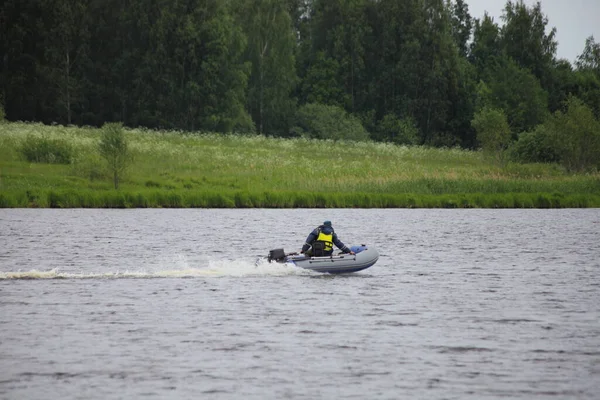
x=363 y=258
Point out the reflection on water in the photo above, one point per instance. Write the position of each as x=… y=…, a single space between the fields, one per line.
x=170 y=304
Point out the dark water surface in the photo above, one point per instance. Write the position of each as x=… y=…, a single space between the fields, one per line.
x=462 y=304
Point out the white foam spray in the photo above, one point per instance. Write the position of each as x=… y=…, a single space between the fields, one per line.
x=179 y=269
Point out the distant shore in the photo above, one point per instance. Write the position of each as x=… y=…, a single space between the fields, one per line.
x=209 y=170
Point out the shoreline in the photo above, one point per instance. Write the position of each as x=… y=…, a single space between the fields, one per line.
x=180 y=199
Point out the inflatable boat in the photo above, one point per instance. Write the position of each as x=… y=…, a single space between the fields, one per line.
x=363 y=258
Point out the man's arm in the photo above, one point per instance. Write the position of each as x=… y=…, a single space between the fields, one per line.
x=311 y=238
x=340 y=245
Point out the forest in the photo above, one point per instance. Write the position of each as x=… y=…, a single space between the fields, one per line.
x=414 y=72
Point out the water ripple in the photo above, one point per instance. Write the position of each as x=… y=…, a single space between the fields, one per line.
x=463 y=304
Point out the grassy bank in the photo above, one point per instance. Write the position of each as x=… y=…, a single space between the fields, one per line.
x=175 y=169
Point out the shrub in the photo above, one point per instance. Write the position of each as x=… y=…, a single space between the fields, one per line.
x=113 y=148
x=45 y=150
x=534 y=147
x=493 y=132
x=575 y=134
x=89 y=166
x=243 y=124
x=399 y=131
x=321 y=121
x=152 y=184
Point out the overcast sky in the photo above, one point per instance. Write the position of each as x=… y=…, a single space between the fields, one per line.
x=574 y=20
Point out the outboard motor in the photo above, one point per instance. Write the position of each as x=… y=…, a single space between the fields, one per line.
x=276 y=255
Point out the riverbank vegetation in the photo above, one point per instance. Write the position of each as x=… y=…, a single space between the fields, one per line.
x=293 y=103
x=179 y=169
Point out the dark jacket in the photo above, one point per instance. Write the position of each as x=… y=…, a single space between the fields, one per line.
x=327 y=230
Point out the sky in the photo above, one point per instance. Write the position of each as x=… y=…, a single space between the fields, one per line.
x=574 y=20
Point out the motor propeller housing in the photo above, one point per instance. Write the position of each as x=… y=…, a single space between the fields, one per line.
x=276 y=255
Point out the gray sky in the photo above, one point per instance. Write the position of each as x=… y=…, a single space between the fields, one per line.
x=574 y=20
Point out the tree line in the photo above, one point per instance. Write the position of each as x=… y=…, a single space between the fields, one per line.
x=410 y=71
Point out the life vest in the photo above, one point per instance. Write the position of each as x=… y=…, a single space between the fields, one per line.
x=327 y=239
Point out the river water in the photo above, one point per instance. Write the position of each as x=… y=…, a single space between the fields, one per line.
x=462 y=304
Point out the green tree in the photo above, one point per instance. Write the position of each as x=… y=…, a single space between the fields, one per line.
x=462 y=106
x=321 y=84
x=394 y=58
x=121 y=32
x=66 y=47
x=440 y=70
x=590 y=58
x=587 y=85
x=339 y=31
x=114 y=149
x=562 y=84
x=462 y=24
x=575 y=134
x=526 y=39
x=22 y=90
x=485 y=48
x=270 y=51
x=493 y=132
x=516 y=91
x=178 y=65
x=301 y=15
x=299 y=11
x=414 y=66
x=587 y=75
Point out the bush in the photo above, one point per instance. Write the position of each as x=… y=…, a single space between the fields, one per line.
x=534 y=147
x=2 y=113
x=45 y=150
x=399 y=131
x=152 y=184
x=113 y=148
x=321 y=121
x=242 y=124
x=575 y=134
x=89 y=166
x=493 y=132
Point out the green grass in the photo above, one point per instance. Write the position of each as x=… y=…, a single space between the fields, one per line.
x=178 y=169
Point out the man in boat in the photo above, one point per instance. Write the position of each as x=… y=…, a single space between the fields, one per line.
x=321 y=240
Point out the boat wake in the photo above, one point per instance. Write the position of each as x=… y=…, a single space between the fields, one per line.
x=217 y=268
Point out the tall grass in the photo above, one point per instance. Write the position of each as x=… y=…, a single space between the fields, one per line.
x=71 y=198
x=180 y=169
